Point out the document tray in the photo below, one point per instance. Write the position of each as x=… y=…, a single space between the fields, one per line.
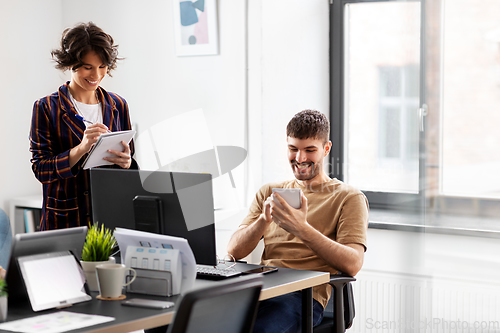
x=150 y=282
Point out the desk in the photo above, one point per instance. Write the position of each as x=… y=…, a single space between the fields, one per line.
x=132 y=319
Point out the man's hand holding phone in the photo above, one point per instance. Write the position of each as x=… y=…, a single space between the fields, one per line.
x=293 y=196
x=288 y=217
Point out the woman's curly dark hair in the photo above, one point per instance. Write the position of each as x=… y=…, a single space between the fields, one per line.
x=82 y=38
x=309 y=124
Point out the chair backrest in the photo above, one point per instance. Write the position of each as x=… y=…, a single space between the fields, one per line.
x=227 y=306
x=5 y=239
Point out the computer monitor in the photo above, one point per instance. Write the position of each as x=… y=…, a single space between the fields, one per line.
x=170 y=203
x=71 y=239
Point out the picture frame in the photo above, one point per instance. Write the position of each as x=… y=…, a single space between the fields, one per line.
x=195 y=27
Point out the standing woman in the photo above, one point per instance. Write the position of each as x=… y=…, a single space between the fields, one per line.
x=60 y=141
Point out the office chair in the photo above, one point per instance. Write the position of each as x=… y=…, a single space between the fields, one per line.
x=228 y=306
x=341 y=317
x=5 y=239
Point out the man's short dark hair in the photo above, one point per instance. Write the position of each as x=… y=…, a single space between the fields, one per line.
x=309 y=124
x=76 y=42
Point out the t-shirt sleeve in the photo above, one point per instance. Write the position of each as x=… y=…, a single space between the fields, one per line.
x=353 y=222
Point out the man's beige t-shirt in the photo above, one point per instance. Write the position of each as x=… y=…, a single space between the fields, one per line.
x=335 y=209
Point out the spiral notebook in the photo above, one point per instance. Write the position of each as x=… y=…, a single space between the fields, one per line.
x=105 y=142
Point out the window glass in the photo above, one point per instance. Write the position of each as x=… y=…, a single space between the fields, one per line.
x=382 y=62
x=470 y=100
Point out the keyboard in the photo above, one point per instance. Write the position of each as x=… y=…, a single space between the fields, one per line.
x=214 y=273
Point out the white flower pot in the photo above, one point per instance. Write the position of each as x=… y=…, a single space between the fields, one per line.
x=3 y=308
x=89 y=270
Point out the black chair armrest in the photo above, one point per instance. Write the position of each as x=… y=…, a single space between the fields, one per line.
x=340 y=279
x=343 y=301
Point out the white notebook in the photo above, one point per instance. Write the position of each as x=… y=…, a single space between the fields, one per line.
x=105 y=142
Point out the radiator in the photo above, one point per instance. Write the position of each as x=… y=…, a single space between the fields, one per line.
x=391 y=302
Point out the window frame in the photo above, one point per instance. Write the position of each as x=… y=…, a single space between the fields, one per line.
x=384 y=200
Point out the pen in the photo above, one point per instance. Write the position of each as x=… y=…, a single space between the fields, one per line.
x=86 y=121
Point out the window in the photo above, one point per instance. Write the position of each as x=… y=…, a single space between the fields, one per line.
x=414 y=108
x=398 y=126
x=379 y=81
x=470 y=140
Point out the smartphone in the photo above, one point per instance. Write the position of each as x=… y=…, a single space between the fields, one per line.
x=148 y=303
x=293 y=196
x=263 y=270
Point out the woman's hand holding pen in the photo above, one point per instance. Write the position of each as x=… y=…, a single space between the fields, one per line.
x=90 y=137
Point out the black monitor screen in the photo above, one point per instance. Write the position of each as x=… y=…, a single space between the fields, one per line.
x=170 y=203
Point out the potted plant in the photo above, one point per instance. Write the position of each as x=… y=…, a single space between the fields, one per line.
x=99 y=245
x=3 y=300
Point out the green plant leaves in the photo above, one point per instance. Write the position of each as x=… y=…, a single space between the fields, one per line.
x=99 y=243
x=3 y=287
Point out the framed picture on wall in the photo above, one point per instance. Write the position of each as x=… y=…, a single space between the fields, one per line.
x=195 y=27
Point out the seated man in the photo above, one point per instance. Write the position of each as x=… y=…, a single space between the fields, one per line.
x=328 y=232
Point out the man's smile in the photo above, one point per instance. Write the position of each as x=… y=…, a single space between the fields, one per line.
x=302 y=166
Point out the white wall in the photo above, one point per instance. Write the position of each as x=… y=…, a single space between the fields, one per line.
x=260 y=78
x=437 y=255
x=418 y=279
x=289 y=72
x=156 y=83
x=29 y=29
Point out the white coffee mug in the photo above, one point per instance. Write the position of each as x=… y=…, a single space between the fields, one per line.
x=110 y=279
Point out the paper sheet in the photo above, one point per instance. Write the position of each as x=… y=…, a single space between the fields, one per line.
x=56 y=322
x=127 y=237
x=107 y=141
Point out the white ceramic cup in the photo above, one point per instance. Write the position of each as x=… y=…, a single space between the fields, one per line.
x=110 y=279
